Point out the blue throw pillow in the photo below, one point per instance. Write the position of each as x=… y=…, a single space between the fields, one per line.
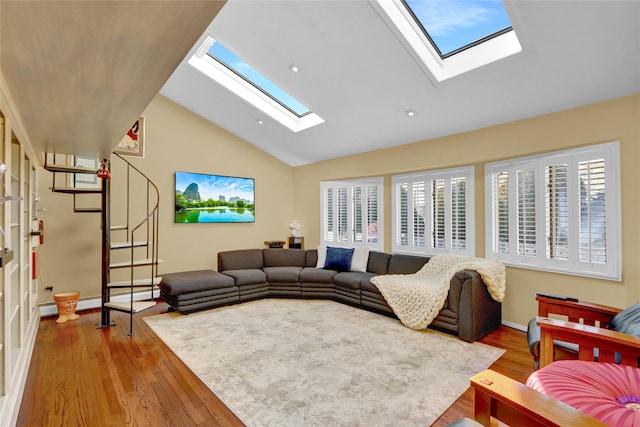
x=627 y=321
x=338 y=259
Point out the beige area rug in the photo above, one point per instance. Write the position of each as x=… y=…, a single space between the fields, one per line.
x=289 y=362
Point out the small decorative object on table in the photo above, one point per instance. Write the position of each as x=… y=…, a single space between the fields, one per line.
x=296 y=241
x=296 y=228
x=274 y=244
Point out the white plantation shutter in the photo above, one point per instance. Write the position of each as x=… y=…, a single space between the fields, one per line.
x=351 y=213
x=358 y=215
x=372 y=215
x=342 y=214
x=562 y=213
x=437 y=213
x=499 y=212
x=593 y=215
x=419 y=213
x=329 y=229
x=526 y=225
x=432 y=212
x=556 y=212
x=458 y=214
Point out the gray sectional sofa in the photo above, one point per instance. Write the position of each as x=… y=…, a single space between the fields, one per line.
x=248 y=274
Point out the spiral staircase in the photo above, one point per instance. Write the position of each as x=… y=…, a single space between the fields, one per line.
x=129 y=248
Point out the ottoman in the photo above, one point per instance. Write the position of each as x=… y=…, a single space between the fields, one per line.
x=190 y=291
x=605 y=391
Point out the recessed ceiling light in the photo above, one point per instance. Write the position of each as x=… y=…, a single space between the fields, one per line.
x=259 y=121
x=293 y=67
x=410 y=112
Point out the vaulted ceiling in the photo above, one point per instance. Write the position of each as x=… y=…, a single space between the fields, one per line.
x=356 y=72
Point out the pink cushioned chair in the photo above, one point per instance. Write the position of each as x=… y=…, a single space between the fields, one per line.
x=605 y=391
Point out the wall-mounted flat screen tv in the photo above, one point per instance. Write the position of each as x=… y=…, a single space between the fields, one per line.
x=214 y=198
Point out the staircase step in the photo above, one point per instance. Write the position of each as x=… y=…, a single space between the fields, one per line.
x=136 y=263
x=70 y=169
x=118 y=227
x=127 y=245
x=87 y=210
x=126 y=306
x=136 y=283
x=76 y=190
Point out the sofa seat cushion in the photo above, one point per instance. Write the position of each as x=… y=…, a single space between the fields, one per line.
x=248 y=276
x=365 y=283
x=317 y=275
x=350 y=279
x=312 y=285
x=447 y=316
x=211 y=293
x=194 y=281
x=282 y=274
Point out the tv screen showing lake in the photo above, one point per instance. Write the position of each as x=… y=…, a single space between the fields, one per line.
x=215 y=215
x=214 y=198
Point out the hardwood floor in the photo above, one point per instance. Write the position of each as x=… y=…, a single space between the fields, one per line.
x=83 y=376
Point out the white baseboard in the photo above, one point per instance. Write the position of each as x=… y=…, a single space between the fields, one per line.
x=514 y=326
x=50 y=309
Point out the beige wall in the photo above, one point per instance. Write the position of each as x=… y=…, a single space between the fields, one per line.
x=176 y=140
x=609 y=121
x=180 y=140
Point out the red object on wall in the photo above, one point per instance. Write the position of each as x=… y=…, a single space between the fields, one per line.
x=34 y=265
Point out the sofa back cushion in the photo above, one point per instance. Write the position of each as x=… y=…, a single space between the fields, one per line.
x=283 y=257
x=240 y=259
x=378 y=262
x=311 y=257
x=406 y=264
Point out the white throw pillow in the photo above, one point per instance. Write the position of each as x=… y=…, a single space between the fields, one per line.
x=322 y=256
x=359 y=259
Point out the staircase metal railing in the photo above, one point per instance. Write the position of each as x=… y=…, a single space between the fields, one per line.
x=148 y=227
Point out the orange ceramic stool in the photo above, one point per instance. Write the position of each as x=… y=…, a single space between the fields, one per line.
x=67 y=303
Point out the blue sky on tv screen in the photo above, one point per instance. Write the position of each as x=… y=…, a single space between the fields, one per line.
x=453 y=24
x=214 y=186
x=231 y=60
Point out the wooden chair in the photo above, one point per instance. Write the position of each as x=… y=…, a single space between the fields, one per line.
x=514 y=403
x=579 y=312
x=586 y=329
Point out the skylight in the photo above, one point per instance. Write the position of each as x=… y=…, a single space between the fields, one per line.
x=453 y=26
x=452 y=37
x=240 y=67
x=226 y=68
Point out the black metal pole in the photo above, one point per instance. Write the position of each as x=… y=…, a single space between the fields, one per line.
x=106 y=251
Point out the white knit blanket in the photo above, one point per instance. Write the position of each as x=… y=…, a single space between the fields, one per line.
x=417 y=298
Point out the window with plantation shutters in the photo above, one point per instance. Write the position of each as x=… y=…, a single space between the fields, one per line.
x=557 y=212
x=351 y=213
x=432 y=212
